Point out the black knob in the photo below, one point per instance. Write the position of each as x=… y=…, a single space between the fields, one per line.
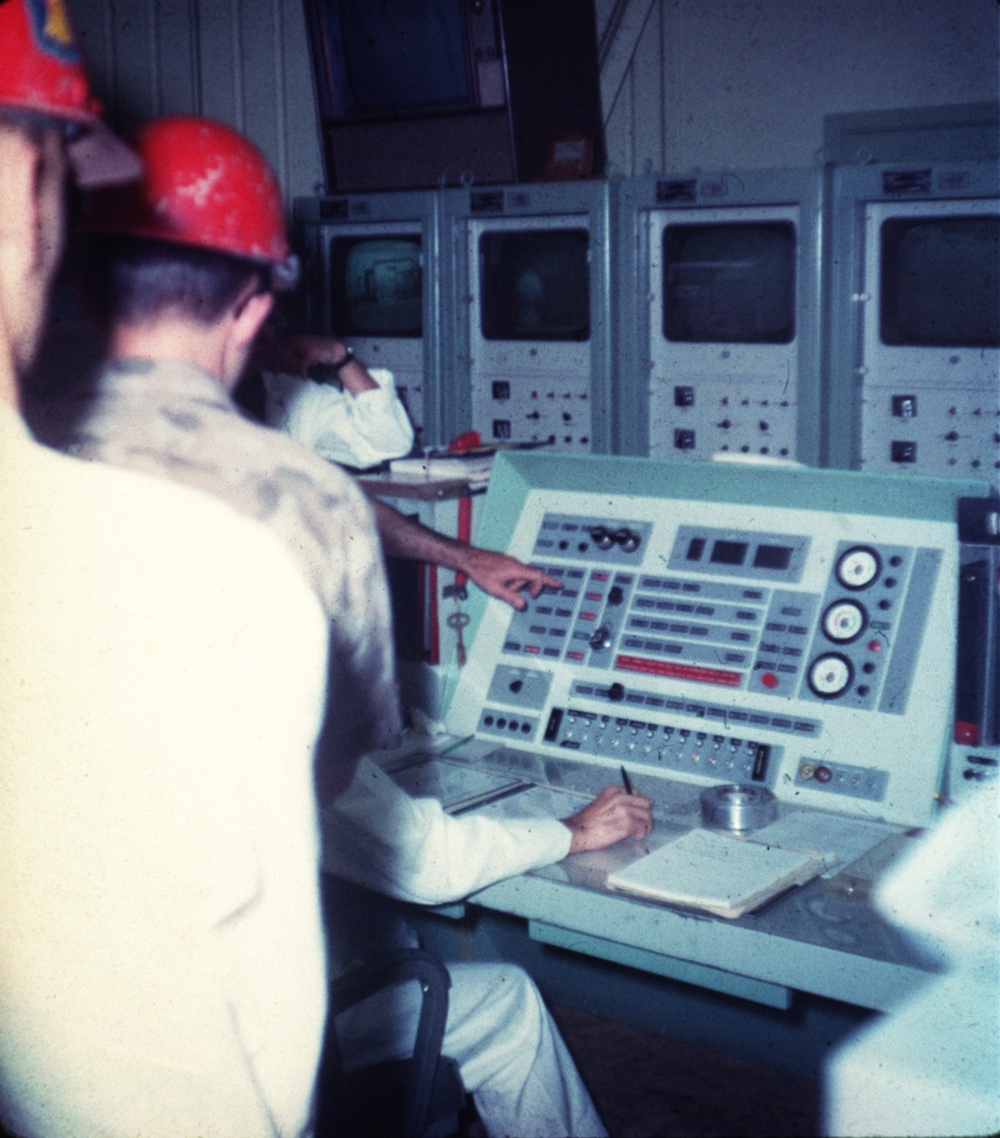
x=602 y=537
x=628 y=539
x=616 y=692
x=615 y=595
x=600 y=638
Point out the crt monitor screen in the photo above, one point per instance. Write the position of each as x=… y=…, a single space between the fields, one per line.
x=535 y=284
x=730 y=283
x=390 y=56
x=376 y=286
x=940 y=281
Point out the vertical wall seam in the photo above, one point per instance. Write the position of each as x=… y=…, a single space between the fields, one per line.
x=111 y=60
x=155 y=70
x=194 y=43
x=281 y=99
x=239 y=106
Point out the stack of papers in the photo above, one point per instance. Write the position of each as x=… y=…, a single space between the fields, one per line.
x=474 y=469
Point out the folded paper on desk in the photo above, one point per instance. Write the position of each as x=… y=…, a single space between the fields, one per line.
x=715 y=872
x=474 y=469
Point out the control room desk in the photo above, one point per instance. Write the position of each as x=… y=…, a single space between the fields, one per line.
x=822 y=938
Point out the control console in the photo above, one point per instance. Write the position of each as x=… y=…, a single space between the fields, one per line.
x=789 y=628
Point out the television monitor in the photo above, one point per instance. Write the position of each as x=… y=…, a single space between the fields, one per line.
x=535 y=284
x=526 y=313
x=425 y=93
x=940 y=281
x=376 y=286
x=914 y=319
x=729 y=282
x=719 y=284
x=395 y=56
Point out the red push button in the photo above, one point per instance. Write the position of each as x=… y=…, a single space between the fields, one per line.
x=967 y=733
x=769 y=680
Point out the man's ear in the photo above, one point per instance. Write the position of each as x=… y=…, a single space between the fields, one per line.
x=249 y=318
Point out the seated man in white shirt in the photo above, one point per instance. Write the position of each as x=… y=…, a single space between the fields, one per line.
x=354 y=418
x=511 y=1057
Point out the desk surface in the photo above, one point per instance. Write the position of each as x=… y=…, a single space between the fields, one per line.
x=417 y=488
x=823 y=937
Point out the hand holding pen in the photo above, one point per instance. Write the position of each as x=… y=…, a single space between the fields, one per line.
x=616 y=813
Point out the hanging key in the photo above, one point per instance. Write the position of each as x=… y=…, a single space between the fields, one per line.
x=458 y=621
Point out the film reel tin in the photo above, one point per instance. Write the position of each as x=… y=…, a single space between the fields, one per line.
x=735 y=807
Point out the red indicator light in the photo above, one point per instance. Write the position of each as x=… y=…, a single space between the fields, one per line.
x=967 y=733
x=574 y=655
x=593 y=596
x=588 y=616
x=874 y=645
x=823 y=774
x=598 y=576
x=532 y=648
x=769 y=680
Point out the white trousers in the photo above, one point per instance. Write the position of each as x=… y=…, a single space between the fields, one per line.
x=510 y=1055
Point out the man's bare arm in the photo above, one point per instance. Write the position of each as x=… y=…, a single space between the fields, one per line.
x=495 y=573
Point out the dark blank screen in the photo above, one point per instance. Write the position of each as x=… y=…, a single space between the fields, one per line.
x=729 y=283
x=940 y=280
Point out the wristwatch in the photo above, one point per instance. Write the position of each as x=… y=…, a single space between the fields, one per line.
x=344 y=360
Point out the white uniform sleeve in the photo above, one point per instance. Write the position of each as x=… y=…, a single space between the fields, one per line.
x=377 y=835
x=354 y=430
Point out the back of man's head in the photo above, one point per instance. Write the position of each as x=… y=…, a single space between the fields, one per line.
x=138 y=282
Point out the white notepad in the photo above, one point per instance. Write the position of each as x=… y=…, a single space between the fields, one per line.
x=716 y=872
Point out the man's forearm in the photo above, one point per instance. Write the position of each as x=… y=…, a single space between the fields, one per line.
x=404 y=537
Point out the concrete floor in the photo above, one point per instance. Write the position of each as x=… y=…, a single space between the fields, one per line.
x=646 y=1086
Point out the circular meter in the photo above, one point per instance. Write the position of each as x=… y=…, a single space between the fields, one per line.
x=844 y=621
x=830 y=675
x=858 y=567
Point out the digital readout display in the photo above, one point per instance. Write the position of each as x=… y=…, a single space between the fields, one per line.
x=772 y=557
x=729 y=552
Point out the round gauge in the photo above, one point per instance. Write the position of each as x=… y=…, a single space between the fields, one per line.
x=858 y=567
x=844 y=621
x=830 y=675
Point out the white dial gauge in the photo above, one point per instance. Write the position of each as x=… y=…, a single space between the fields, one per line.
x=829 y=676
x=844 y=621
x=858 y=567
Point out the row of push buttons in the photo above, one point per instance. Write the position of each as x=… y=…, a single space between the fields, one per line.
x=676 y=747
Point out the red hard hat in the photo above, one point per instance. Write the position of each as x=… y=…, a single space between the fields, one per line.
x=42 y=74
x=204 y=185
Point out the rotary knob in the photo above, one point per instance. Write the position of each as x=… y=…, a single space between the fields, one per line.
x=600 y=639
x=628 y=539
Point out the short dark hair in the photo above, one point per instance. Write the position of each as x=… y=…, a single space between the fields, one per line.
x=133 y=280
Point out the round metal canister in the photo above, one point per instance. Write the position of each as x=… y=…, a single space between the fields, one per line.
x=733 y=807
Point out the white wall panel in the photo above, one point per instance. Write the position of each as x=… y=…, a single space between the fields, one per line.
x=244 y=62
x=703 y=84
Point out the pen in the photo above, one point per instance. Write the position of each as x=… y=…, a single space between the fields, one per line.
x=627 y=782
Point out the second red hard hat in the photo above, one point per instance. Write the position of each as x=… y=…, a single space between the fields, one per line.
x=204 y=185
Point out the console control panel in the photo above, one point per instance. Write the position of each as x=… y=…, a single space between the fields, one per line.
x=806 y=649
